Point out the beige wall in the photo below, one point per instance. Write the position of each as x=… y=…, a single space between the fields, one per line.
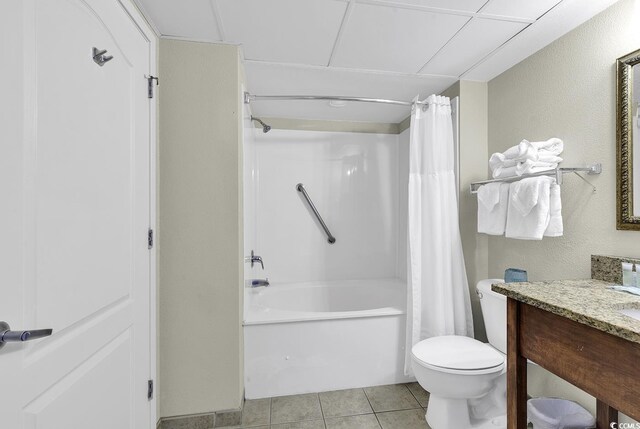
x=473 y=164
x=200 y=228
x=567 y=90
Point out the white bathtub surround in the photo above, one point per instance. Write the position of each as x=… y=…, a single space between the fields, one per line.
x=322 y=336
x=352 y=179
x=321 y=323
x=438 y=300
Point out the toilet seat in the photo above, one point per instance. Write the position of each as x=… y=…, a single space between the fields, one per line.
x=458 y=355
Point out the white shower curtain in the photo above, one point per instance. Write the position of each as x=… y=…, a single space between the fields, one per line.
x=438 y=300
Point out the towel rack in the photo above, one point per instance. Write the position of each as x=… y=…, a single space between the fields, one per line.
x=557 y=172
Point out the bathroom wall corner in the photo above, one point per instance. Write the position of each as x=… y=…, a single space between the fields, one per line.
x=200 y=225
x=473 y=116
x=568 y=90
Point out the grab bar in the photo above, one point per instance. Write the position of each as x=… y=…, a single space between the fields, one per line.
x=330 y=238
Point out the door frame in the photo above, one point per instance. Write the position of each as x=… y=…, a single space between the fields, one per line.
x=152 y=36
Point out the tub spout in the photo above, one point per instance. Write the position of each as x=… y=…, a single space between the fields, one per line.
x=259 y=282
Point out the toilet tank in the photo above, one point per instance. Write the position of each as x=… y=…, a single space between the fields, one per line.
x=494 y=313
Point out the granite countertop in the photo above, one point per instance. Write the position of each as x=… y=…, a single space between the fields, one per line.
x=585 y=301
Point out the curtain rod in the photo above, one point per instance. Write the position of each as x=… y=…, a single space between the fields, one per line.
x=248 y=98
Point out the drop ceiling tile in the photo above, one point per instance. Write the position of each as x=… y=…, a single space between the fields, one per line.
x=519 y=8
x=393 y=39
x=559 y=21
x=475 y=41
x=184 y=18
x=278 y=79
x=290 y=31
x=463 y=5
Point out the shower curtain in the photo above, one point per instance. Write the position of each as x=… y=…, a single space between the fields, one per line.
x=438 y=300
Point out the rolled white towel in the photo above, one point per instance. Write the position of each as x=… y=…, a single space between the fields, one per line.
x=555 y=227
x=493 y=199
x=525 y=151
x=528 y=212
x=509 y=158
x=554 y=145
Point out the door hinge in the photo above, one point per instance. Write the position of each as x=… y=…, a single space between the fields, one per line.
x=150 y=390
x=150 y=80
x=150 y=238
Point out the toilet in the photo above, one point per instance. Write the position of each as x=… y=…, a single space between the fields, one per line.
x=467 y=378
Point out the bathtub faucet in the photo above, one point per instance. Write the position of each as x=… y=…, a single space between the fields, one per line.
x=253 y=259
x=259 y=282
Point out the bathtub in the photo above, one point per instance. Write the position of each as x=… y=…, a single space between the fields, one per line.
x=321 y=336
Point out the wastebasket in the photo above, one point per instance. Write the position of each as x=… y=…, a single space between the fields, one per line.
x=554 y=413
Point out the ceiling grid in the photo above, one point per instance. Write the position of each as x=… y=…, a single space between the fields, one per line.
x=368 y=48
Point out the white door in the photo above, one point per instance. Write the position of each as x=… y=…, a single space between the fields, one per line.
x=74 y=215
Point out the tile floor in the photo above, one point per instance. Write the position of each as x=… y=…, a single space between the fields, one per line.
x=398 y=406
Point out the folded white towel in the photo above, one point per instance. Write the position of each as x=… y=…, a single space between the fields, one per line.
x=493 y=199
x=555 y=228
x=545 y=156
x=528 y=212
x=529 y=167
x=524 y=156
x=501 y=172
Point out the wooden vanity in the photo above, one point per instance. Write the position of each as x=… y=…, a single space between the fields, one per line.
x=574 y=329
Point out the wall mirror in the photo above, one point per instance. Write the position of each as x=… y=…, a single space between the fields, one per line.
x=628 y=139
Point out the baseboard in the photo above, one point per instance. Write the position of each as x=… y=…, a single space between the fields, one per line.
x=219 y=419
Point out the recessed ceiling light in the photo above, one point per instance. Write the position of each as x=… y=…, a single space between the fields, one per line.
x=337 y=103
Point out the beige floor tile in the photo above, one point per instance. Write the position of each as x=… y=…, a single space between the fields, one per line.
x=406 y=419
x=364 y=421
x=344 y=403
x=391 y=398
x=256 y=412
x=296 y=408
x=419 y=393
x=311 y=424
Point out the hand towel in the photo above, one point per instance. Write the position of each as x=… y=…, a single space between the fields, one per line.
x=493 y=199
x=528 y=211
x=555 y=228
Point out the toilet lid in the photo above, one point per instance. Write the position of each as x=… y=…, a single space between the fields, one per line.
x=456 y=352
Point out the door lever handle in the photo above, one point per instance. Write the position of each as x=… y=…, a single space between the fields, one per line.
x=9 y=336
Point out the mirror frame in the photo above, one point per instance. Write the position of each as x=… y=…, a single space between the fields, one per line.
x=624 y=152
